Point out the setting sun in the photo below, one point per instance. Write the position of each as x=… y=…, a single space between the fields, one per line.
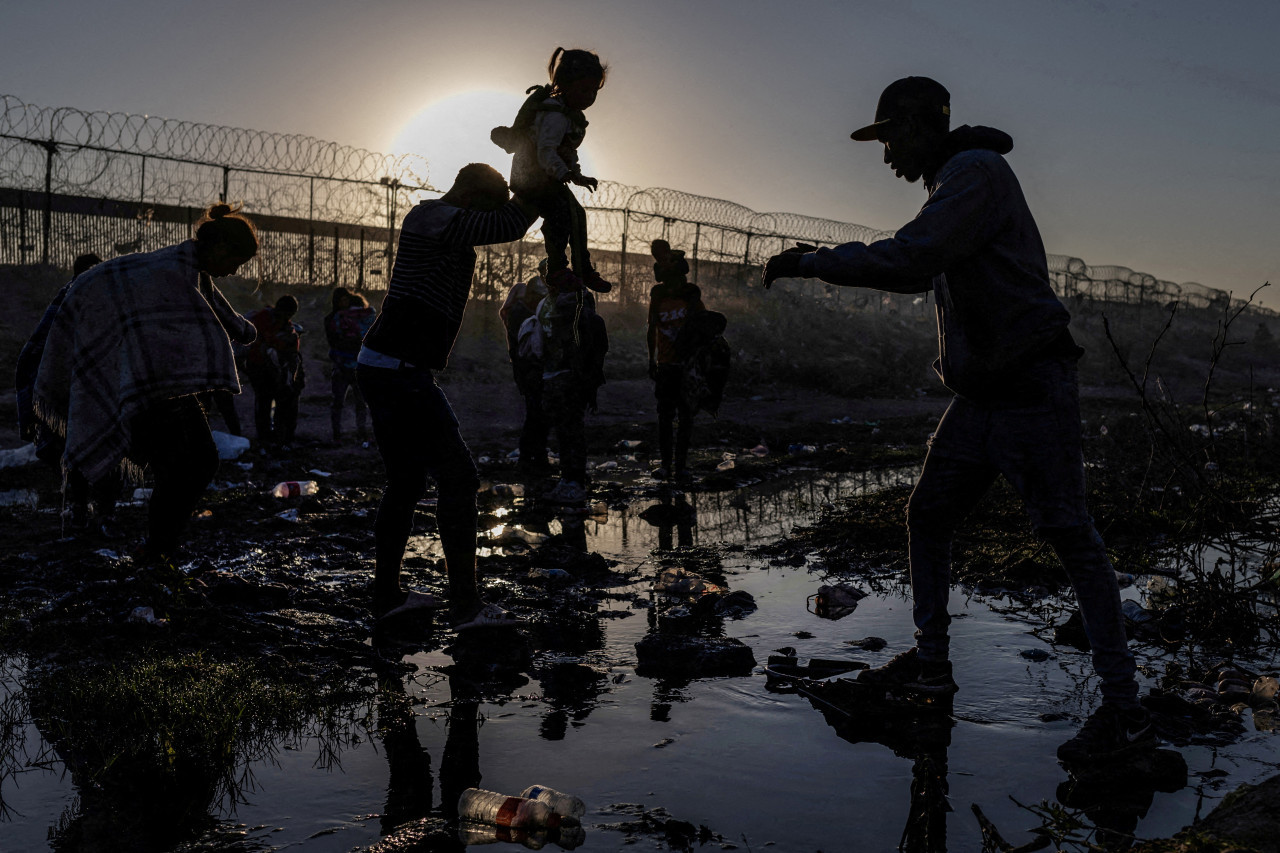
x=454 y=131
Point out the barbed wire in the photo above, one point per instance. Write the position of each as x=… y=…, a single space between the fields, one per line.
x=339 y=207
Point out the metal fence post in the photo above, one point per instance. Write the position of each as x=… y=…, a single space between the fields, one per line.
x=622 y=260
x=226 y=183
x=697 y=235
x=311 y=234
x=50 y=148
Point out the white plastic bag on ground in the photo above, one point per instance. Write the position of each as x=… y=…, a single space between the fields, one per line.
x=17 y=456
x=229 y=446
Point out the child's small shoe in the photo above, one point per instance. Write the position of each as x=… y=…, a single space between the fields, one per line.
x=593 y=281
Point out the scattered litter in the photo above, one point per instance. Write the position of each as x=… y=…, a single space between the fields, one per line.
x=835 y=601
x=496 y=809
x=606 y=466
x=511 y=535
x=759 y=450
x=665 y=742
x=1036 y=655
x=630 y=443
x=678 y=581
x=542 y=573
x=294 y=488
x=786 y=667
x=320 y=473
x=569 y=807
x=1200 y=430
x=483 y=460
x=726 y=465
x=599 y=509
x=20 y=497
x=108 y=553
x=146 y=615
x=515 y=454
x=288 y=515
x=797 y=449
x=142 y=494
x=700 y=657
x=18 y=456
x=1124 y=579
x=508 y=490
x=245 y=466
x=204 y=514
x=868 y=644
x=229 y=446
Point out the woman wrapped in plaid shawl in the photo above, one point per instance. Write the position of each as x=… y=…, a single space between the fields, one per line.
x=136 y=338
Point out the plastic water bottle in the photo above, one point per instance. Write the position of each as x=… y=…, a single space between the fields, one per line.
x=567 y=806
x=500 y=810
x=294 y=488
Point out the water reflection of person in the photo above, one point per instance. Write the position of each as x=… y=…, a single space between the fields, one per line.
x=672 y=513
x=409 y=785
x=1117 y=796
x=922 y=735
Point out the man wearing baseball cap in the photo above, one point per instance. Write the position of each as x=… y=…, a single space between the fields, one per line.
x=1006 y=353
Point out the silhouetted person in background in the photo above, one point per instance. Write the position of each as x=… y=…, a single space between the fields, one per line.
x=345 y=327
x=274 y=367
x=671 y=302
x=80 y=493
x=574 y=344
x=520 y=306
x=1006 y=352
x=415 y=427
x=158 y=330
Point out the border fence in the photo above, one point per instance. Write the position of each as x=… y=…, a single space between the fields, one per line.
x=73 y=181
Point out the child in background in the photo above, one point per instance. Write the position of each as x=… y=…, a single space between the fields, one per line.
x=544 y=139
x=671 y=303
x=345 y=327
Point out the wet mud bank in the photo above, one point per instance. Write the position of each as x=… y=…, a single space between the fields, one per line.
x=245 y=699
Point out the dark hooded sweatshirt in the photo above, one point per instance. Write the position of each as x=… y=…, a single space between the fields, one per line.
x=976 y=246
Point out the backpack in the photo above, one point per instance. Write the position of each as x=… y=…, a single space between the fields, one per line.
x=510 y=138
x=351 y=325
x=529 y=340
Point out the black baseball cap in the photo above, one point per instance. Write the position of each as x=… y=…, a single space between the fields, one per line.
x=908 y=96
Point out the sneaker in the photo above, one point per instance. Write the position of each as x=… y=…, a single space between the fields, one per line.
x=593 y=280
x=564 y=281
x=907 y=671
x=487 y=616
x=1110 y=732
x=566 y=492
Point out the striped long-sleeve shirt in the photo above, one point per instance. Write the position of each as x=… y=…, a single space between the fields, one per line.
x=431 y=280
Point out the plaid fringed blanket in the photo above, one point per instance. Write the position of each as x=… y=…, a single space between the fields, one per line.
x=132 y=331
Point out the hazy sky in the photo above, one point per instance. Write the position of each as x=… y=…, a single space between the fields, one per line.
x=1146 y=133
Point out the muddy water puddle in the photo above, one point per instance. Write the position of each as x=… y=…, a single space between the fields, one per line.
x=759 y=767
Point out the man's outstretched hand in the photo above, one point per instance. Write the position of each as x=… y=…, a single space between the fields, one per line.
x=786 y=264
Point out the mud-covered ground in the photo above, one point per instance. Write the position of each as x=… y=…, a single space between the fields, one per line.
x=156 y=688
